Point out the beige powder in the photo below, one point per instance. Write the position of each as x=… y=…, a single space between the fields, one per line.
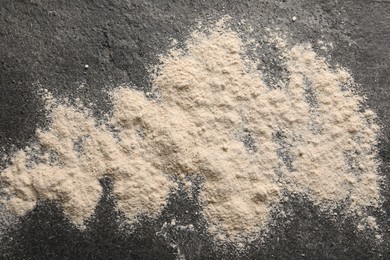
x=71 y=176
x=212 y=116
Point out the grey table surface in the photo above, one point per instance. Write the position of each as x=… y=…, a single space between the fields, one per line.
x=47 y=42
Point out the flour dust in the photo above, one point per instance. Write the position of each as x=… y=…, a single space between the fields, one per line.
x=211 y=114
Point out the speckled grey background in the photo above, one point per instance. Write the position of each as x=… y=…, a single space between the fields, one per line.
x=48 y=42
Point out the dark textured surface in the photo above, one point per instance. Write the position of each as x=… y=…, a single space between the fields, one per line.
x=48 y=42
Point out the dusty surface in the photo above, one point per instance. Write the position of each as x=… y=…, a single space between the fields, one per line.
x=50 y=43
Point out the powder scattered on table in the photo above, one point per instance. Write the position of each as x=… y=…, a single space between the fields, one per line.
x=210 y=113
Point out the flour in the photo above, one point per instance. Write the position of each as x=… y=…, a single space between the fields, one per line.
x=210 y=114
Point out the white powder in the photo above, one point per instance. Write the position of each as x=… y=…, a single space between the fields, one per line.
x=212 y=116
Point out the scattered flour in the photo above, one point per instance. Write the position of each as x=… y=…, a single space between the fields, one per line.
x=210 y=114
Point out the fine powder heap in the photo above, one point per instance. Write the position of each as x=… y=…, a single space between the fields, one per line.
x=210 y=114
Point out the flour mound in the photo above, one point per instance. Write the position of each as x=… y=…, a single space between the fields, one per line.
x=211 y=115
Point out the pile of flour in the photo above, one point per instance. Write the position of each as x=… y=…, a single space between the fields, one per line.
x=209 y=114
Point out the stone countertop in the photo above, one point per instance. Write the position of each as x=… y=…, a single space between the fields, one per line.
x=49 y=42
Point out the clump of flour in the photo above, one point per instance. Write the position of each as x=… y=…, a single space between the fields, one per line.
x=74 y=154
x=212 y=115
